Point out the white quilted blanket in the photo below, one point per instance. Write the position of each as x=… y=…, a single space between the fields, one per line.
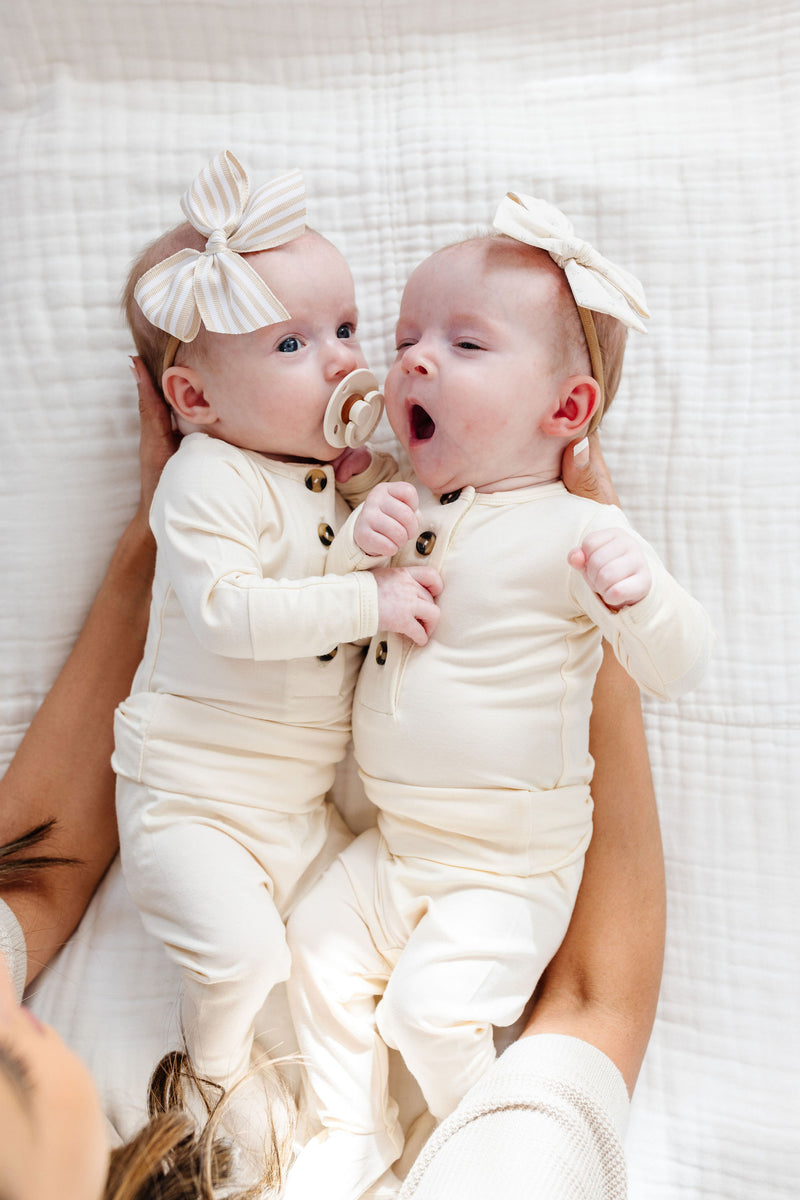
x=669 y=133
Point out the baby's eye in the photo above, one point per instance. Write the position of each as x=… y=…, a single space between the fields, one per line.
x=346 y=331
x=465 y=344
x=289 y=345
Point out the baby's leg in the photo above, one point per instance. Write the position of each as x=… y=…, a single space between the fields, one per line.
x=338 y=970
x=471 y=963
x=209 y=901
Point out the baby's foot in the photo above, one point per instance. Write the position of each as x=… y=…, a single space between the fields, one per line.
x=385 y=1188
x=340 y=1165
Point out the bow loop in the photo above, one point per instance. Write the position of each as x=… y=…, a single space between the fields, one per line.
x=595 y=282
x=217 y=286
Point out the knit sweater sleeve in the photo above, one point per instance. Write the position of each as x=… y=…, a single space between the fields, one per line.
x=547 y=1120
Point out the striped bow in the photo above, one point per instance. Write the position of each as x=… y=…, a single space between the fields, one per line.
x=216 y=286
x=595 y=282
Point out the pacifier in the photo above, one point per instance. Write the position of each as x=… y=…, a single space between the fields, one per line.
x=353 y=410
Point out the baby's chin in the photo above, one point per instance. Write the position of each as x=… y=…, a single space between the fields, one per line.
x=431 y=478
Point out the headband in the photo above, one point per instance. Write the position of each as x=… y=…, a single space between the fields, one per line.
x=216 y=286
x=597 y=285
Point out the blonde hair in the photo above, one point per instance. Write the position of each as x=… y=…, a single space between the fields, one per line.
x=151 y=343
x=612 y=337
x=170 y=1160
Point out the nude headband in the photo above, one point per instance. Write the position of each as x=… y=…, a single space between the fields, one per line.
x=216 y=286
x=597 y=285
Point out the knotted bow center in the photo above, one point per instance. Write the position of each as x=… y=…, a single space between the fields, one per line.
x=575 y=249
x=218 y=241
x=216 y=287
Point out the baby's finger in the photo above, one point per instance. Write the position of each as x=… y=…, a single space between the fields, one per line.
x=405 y=515
x=390 y=527
x=426 y=618
x=611 y=573
x=429 y=577
x=406 y=492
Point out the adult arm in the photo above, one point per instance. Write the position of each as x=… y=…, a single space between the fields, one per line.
x=602 y=986
x=61 y=771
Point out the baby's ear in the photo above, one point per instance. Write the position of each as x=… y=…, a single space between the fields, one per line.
x=580 y=396
x=183 y=390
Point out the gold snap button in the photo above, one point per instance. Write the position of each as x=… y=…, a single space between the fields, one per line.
x=316 y=480
x=326 y=534
x=425 y=542
x=328 y=657
x=449 y=497
x=380 y=653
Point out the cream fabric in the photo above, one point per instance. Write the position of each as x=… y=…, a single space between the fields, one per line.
x=227 y=746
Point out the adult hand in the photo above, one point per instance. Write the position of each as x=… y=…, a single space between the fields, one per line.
x=586 y=473
x=158 y=441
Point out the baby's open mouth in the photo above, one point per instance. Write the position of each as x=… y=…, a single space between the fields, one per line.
x=422 y=424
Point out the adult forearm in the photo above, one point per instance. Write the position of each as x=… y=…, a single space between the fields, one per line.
x=62 y=767
x=603 y=984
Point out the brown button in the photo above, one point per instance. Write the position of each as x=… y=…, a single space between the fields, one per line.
x=380 y=653
x=328 y=657
x=316 y=480
x=425 y=542
x=326 y=534
x=449 y=497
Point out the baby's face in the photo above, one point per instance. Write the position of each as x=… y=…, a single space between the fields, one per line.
x=477 y=369
x=270 y=388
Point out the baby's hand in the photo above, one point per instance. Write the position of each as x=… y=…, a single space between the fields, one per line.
x=387 y=520
x=614 y=565
x=406 y=601
x=352 y=461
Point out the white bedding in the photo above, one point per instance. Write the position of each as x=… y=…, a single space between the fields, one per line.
x=668 y=132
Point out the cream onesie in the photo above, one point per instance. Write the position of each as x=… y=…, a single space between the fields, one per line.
x=475 y=750
x=238 y=715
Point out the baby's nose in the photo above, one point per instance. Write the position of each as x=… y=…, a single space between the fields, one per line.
x=343 y=357
x=415 y=361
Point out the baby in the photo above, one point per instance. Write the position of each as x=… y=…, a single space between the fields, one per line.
x=240 y=709
x=474 y=747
